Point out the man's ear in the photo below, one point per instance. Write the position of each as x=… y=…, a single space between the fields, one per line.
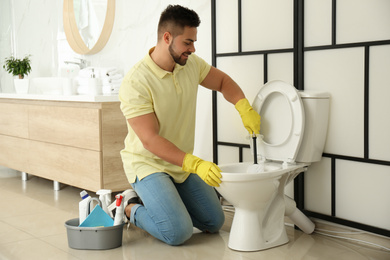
x=167 y=37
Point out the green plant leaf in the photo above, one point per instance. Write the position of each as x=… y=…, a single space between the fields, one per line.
x=17 y=67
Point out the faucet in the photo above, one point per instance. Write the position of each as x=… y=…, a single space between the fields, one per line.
x=82 y=64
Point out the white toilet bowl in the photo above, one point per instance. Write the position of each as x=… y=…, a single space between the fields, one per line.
x=258 y=198
x=259 y=203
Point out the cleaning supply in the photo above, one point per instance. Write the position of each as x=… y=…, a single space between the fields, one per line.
x=90 y=209
x=84 y=206
x=93 y=238
x=255 y=167
x=97 y=218
x=254 y=139
x=105 y=198
x=119 y=214
x=128 y=195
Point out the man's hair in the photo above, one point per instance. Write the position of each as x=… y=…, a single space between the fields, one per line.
x=174 y=18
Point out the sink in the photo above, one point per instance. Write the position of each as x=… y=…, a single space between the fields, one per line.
x=51 y=86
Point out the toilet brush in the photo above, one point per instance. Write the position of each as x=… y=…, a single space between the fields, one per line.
x=254 y=138
x=255 y=168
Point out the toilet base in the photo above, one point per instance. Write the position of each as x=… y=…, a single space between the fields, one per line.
x=259 y=203
x=248 y=234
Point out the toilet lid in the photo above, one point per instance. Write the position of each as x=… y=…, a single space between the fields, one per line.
x=282 y=121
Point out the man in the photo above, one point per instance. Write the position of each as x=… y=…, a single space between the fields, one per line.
x=158 y=99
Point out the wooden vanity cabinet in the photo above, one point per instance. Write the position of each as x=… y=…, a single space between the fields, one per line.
x=75 y=143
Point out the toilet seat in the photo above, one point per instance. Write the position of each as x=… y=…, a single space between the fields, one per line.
x=282 y=121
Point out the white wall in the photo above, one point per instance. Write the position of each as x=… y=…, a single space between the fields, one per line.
x=362 y=191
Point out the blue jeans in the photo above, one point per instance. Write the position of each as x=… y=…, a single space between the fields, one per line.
x=170 y=210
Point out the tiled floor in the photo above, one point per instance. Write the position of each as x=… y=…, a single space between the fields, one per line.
x=32 y=217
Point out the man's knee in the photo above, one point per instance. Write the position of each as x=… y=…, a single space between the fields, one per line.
x=216 y=223
x=179 y=235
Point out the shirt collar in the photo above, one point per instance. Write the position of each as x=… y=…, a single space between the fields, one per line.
x=156 y=69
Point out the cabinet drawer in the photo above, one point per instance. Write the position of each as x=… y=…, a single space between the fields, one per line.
x=70 y=165
x=71 y=126
x=14 y=120
x=14 y=152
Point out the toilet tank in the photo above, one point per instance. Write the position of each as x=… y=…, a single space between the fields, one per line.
x=316 y=106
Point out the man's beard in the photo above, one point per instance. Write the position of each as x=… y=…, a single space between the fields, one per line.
x=177 y=58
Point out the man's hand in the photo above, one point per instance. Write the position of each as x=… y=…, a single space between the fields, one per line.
x=209 y=172
x=250 y=117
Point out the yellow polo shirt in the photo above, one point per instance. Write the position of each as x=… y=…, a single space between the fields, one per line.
x=147 y=88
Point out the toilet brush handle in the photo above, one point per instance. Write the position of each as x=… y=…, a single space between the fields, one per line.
x=254 y=149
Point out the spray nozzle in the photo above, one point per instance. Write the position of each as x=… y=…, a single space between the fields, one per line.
x=119 y=198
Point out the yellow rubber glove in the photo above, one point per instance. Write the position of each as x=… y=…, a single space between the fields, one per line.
x=209 y=172
x=250 y=117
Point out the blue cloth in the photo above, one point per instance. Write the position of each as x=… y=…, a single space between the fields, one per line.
x=171 y=210
x=97 y=218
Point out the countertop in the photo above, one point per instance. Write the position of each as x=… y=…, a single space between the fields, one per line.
x=77 y=98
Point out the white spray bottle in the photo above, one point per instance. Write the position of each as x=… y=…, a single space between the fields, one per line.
x=105 y=198
x=119 y=210
x=84 y=206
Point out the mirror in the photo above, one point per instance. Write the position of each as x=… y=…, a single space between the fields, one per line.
x=90 y=16
x=85 y=38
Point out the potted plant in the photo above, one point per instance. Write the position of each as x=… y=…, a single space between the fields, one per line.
x=20 y=68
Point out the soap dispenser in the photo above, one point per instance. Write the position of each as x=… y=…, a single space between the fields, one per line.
x=94 y=85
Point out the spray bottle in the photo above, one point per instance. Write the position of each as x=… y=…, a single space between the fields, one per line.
x=84 y=206
x=119 y=210
x=105 y=198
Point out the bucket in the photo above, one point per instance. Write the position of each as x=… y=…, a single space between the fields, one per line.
x=100 y=238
